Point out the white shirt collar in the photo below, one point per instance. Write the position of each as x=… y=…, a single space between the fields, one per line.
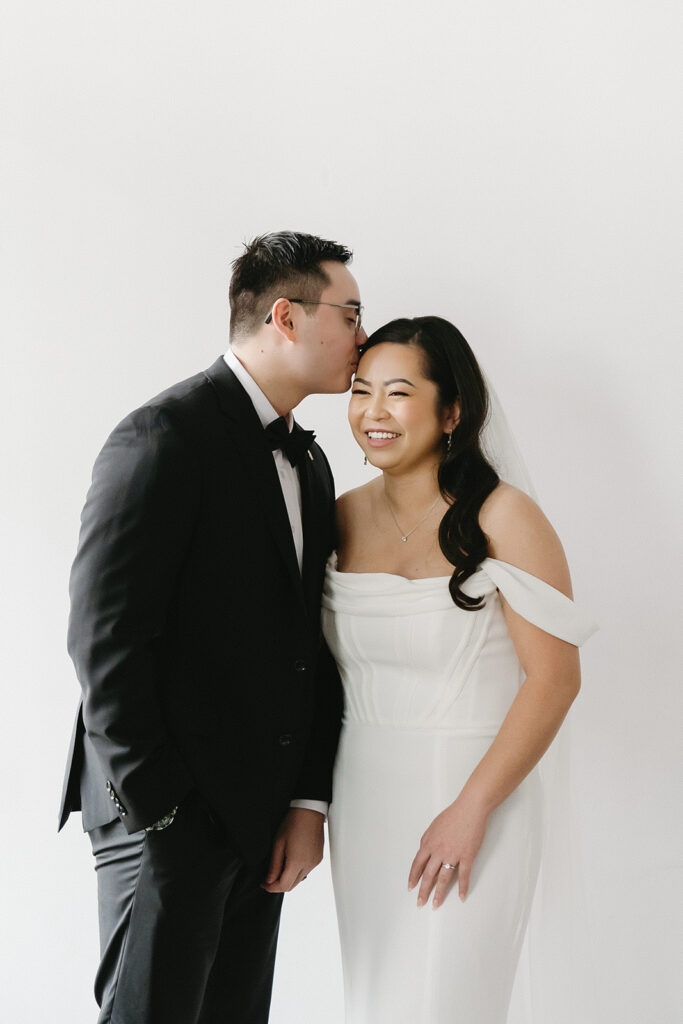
x=264 y=409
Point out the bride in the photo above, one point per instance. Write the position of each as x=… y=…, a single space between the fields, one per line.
x=448 y=610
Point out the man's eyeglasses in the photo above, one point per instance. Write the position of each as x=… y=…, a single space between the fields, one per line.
x=356 y=307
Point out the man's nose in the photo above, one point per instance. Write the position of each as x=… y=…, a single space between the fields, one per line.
x=361 y=337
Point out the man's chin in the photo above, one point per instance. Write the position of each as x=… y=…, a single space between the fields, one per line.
x=337 y=387
x=349 y=379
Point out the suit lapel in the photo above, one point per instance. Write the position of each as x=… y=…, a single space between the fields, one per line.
x=258 y=461
x=310 y=527
x=317 y=511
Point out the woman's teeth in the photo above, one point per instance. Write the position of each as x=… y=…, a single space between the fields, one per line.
x=380 y=435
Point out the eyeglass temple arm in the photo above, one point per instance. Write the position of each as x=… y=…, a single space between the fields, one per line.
x=345 y=306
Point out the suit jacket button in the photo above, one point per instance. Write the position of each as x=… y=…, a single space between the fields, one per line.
x=300 y=666
x=285 y=739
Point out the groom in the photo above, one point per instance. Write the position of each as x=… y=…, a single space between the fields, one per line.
x=202 y=753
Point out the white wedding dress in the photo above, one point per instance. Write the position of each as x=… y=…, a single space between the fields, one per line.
x=426 y=688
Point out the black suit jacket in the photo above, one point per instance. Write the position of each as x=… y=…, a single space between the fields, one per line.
x=196 y=640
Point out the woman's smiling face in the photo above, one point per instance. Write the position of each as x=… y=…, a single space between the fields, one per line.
x=394 y=411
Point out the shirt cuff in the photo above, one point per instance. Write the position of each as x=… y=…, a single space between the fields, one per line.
x=312 y=805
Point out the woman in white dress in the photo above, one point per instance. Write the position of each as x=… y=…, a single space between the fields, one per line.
x=448 y=610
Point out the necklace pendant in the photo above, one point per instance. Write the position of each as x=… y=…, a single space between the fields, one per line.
x=404 y=539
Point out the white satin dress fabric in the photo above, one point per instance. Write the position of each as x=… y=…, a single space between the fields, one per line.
x=426 y=688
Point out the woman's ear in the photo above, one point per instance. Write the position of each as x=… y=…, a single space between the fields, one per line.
x=452 y=417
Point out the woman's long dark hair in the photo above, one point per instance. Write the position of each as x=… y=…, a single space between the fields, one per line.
x=465 y=477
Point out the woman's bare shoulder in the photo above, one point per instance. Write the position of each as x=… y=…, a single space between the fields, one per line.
x=356 y=500
x=518 y=532
x=353 y=506
x=506 y=506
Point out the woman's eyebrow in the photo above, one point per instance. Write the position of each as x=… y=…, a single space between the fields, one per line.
x=394 y=380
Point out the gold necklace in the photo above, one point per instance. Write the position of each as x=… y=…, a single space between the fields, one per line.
x=404 y=536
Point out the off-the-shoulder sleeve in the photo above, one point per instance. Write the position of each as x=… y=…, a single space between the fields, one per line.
x=539 y=603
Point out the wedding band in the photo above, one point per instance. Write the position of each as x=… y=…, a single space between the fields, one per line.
x=451 y=867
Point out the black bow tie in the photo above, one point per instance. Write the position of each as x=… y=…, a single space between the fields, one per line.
x=294 y=444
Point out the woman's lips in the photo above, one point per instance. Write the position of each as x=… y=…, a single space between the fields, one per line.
x=380 y=440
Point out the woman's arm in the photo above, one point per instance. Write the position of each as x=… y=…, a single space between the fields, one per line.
x=521 y=535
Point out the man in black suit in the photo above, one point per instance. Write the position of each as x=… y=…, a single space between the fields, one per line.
x=202 y=754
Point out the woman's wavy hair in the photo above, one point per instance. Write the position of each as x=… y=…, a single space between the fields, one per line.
x=465 y=477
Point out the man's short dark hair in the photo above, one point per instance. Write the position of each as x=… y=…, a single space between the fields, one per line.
x=282 y=263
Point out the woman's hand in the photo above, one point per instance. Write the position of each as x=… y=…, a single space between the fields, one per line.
x=454 y=837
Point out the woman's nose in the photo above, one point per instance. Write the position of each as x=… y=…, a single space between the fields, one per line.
x=375 y=408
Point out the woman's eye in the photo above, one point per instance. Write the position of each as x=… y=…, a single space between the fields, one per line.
x=403 y=393
x=357 y=391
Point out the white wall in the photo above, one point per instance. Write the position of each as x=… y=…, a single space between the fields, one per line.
x=509 y=165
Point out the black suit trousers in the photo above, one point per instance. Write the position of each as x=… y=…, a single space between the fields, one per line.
x=187 y=936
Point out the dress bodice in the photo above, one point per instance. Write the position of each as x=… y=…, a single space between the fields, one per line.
x=409 y=657
x=427 y=686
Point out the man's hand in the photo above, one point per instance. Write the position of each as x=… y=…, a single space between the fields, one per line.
x=298 y=848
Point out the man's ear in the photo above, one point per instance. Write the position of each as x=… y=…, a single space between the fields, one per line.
x=281 y=318
x=452 y=417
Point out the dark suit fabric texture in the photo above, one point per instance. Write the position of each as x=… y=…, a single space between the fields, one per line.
x=187 y=935
x=196 y=639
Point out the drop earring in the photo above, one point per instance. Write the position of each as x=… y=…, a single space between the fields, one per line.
x=365 y=460
x=450 y=441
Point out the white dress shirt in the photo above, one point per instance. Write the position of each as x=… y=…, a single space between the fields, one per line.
x=291 y=490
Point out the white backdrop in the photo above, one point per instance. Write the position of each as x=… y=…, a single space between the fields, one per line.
x=507 y=164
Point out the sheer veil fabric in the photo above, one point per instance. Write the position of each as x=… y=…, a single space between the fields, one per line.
x=555 y=980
